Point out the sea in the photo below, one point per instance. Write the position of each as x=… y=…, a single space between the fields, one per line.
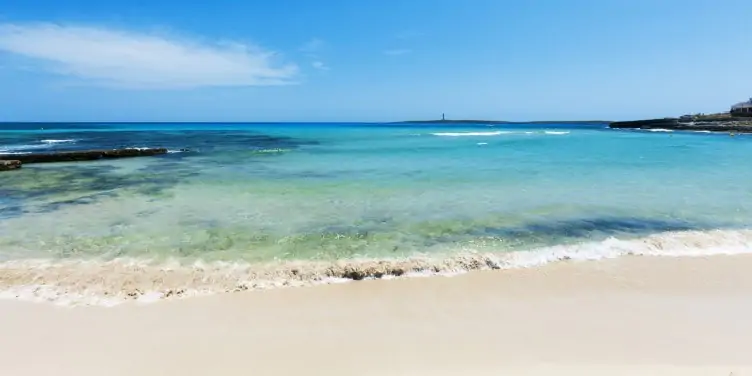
x=250 y=206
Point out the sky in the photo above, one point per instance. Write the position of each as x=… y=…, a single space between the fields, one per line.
x=371 y=60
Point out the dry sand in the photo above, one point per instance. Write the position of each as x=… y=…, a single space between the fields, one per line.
x=629 y=316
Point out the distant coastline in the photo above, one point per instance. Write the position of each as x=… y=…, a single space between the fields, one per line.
x=707 y=123
x=737 y=120
x=447 y=121
x=476 y=121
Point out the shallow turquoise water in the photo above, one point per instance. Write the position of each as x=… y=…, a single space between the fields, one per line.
x=325 y=191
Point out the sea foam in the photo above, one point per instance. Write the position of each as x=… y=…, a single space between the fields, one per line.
x=106 y=283
x=468 y=134
x=58 y=141
x=19 y=149
x=22 y=149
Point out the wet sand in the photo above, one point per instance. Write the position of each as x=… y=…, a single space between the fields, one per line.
x=633 y=315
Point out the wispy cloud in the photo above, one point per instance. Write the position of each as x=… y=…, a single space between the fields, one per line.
x=397 y=51
x=312 y=50
x=313 y=45
x=319 y=65
x=119 y=58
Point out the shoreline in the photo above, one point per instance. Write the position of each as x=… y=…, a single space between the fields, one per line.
x=631 y=315
x=117 y=281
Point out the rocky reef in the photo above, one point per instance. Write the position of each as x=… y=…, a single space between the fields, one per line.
x=9 y=165
x=86 y=155
x=667 y=123
x=710 y=123
x=74 y=156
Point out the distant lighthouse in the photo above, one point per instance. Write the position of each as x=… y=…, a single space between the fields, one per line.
x=442 y=117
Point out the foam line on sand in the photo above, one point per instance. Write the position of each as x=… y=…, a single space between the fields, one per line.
x=97 y=282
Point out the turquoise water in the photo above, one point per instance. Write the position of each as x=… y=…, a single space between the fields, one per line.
x=260 y=192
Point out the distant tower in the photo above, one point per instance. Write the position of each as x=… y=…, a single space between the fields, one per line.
x=442 y=117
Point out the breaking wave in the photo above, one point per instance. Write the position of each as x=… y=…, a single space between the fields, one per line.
x=467 y=134
x=496 y=133
x=138 y=147
x=52 y=142
x=28 y=148
x=20 y=149
x=98 y=282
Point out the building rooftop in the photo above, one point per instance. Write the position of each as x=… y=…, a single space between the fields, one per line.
x=747 y=104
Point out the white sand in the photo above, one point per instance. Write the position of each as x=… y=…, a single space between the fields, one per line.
x=634 y=315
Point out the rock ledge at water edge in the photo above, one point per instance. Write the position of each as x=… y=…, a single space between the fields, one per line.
x=9 y=165
x=86 y=155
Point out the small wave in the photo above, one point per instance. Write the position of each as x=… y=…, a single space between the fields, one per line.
x=92 y=282
x=659 y=130
x=15 y=149
x=52 y=142
x=702 y=132
x=169 y=151
x=482 y=143
x=174 y=151
x=21 y=149
x=466 y=134
x=271 y=151
x=556 y=132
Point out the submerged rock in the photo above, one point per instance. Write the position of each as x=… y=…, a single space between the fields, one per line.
x=9 y=165
x=87 y=155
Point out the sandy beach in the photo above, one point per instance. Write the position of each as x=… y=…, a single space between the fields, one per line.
x=633 y=315
x=338 y=188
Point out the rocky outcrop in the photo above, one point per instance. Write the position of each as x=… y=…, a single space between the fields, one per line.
x=86 y=155
x=9 y=165
x=726 y=124
x=667 y=123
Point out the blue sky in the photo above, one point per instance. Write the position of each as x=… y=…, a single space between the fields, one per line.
x=369 y=60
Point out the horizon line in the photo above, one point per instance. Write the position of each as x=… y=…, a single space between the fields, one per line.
x=309 y=122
